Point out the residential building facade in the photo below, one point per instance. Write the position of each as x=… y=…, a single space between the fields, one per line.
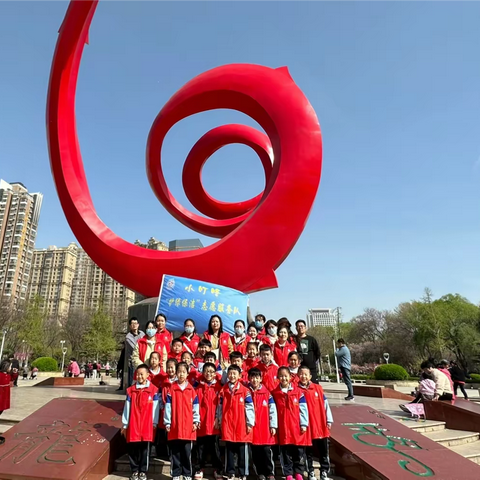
x=323 y=317
x=19 y=217
x=51 y=278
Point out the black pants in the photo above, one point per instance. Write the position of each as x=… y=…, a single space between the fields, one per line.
x=241 y=451
x=446 y=397
x=208 y=445
x=181 y=458
x=262 y=459
x=320 y=448
x=347 y=380
x=292 y=458
x=462 y=388
x=138 y=456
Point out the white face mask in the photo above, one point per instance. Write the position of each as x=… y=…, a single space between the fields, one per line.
x=189 y=330
x=239 y=330
x=272 y=330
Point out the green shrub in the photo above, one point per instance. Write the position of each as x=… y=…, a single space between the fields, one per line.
x=45 y=364
x=390 y=372
x=475 y=377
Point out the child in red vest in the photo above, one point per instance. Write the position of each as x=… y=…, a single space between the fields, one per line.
x=265 y=428
x=320 y=422
x=268 y=367
x=176 y=350
x=293 y=435
x=181 y=419
x=236 y=358
x=208 y=389
x=165 y=381
x=203 y=348
x=155 y=370
x=294 y=361
x=236 y=417
x=140 y=418
x=5 y=379
x=252 y=356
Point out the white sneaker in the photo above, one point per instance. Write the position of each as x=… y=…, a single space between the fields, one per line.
x=187 y=478
x=198 y=475
x=177 y=478
x=311 y=476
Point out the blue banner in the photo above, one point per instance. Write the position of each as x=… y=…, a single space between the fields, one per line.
x=182 y=298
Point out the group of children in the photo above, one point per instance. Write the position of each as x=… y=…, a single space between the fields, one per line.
x=197 y=399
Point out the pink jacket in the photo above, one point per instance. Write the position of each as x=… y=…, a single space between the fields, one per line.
x=74 y=368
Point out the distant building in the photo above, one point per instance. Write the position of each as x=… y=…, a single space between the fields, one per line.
x=323 y=317
x=183 y=245
x=152 y=244
x=51 y=278
x=92 y=287
x=19 y=216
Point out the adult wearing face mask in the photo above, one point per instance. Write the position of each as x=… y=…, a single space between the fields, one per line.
x=260 y=325
x=148 y=344
x=240 y=339
x=271 y=333
x=189 y=337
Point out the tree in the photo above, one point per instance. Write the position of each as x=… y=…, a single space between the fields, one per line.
x=30 y=328
x=369 y=326
x=75 y=327
x=99 y=341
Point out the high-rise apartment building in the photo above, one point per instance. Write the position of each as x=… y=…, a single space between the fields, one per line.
x=323 y=317
x=183 y=245
x=92 y=287
x=152 y=244
x=51 y=278
x=19 y=216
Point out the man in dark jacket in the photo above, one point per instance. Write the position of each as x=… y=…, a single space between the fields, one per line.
x=458 y=377
x=308 y=347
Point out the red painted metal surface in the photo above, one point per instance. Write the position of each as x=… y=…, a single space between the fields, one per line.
x=66 y=439
x=368 y=445
x=256 y=235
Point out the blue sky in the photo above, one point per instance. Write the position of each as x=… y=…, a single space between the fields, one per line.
x=396 y=87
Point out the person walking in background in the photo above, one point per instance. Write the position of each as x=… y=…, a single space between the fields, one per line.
x=95 y=370
x=130 y=343
x=345 y=364
x=458 y=376
x=15 y=371
x=308 y=347
x=73 y=368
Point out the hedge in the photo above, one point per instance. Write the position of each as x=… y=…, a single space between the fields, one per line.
x=390 y=372
x=45 y=364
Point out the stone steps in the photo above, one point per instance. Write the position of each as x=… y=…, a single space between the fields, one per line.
x=461 y=442
x=156 y=476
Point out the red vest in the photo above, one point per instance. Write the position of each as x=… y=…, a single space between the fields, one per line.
x=4 y=391
x=165 y=385
x=140 y=425
x=250 y=363
x=176 y=356
x=242 y=346
x=234 y=421
x=317 y=417
x=223 y=343
x=165 y=337
x=208 y=400
x=261 y=430
x=280 y=354
x=190 y=345
x=142 y=349
x=269 y=375
x=288 y=411
x=181 y=427
x=156 y=379
x=268 y=340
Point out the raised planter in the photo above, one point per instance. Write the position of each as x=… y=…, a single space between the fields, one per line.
x=391 y=383
x=49 y=374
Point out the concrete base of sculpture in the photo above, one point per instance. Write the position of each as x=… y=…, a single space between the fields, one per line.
x=67 y=439
x=366 y=444
x=61 y=382
x=380 y=392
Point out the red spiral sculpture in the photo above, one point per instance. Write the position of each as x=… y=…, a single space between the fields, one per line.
x=257 y=234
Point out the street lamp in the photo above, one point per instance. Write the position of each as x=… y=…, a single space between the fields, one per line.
x=5 y=331
x=64 y=352
x=386 y=356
